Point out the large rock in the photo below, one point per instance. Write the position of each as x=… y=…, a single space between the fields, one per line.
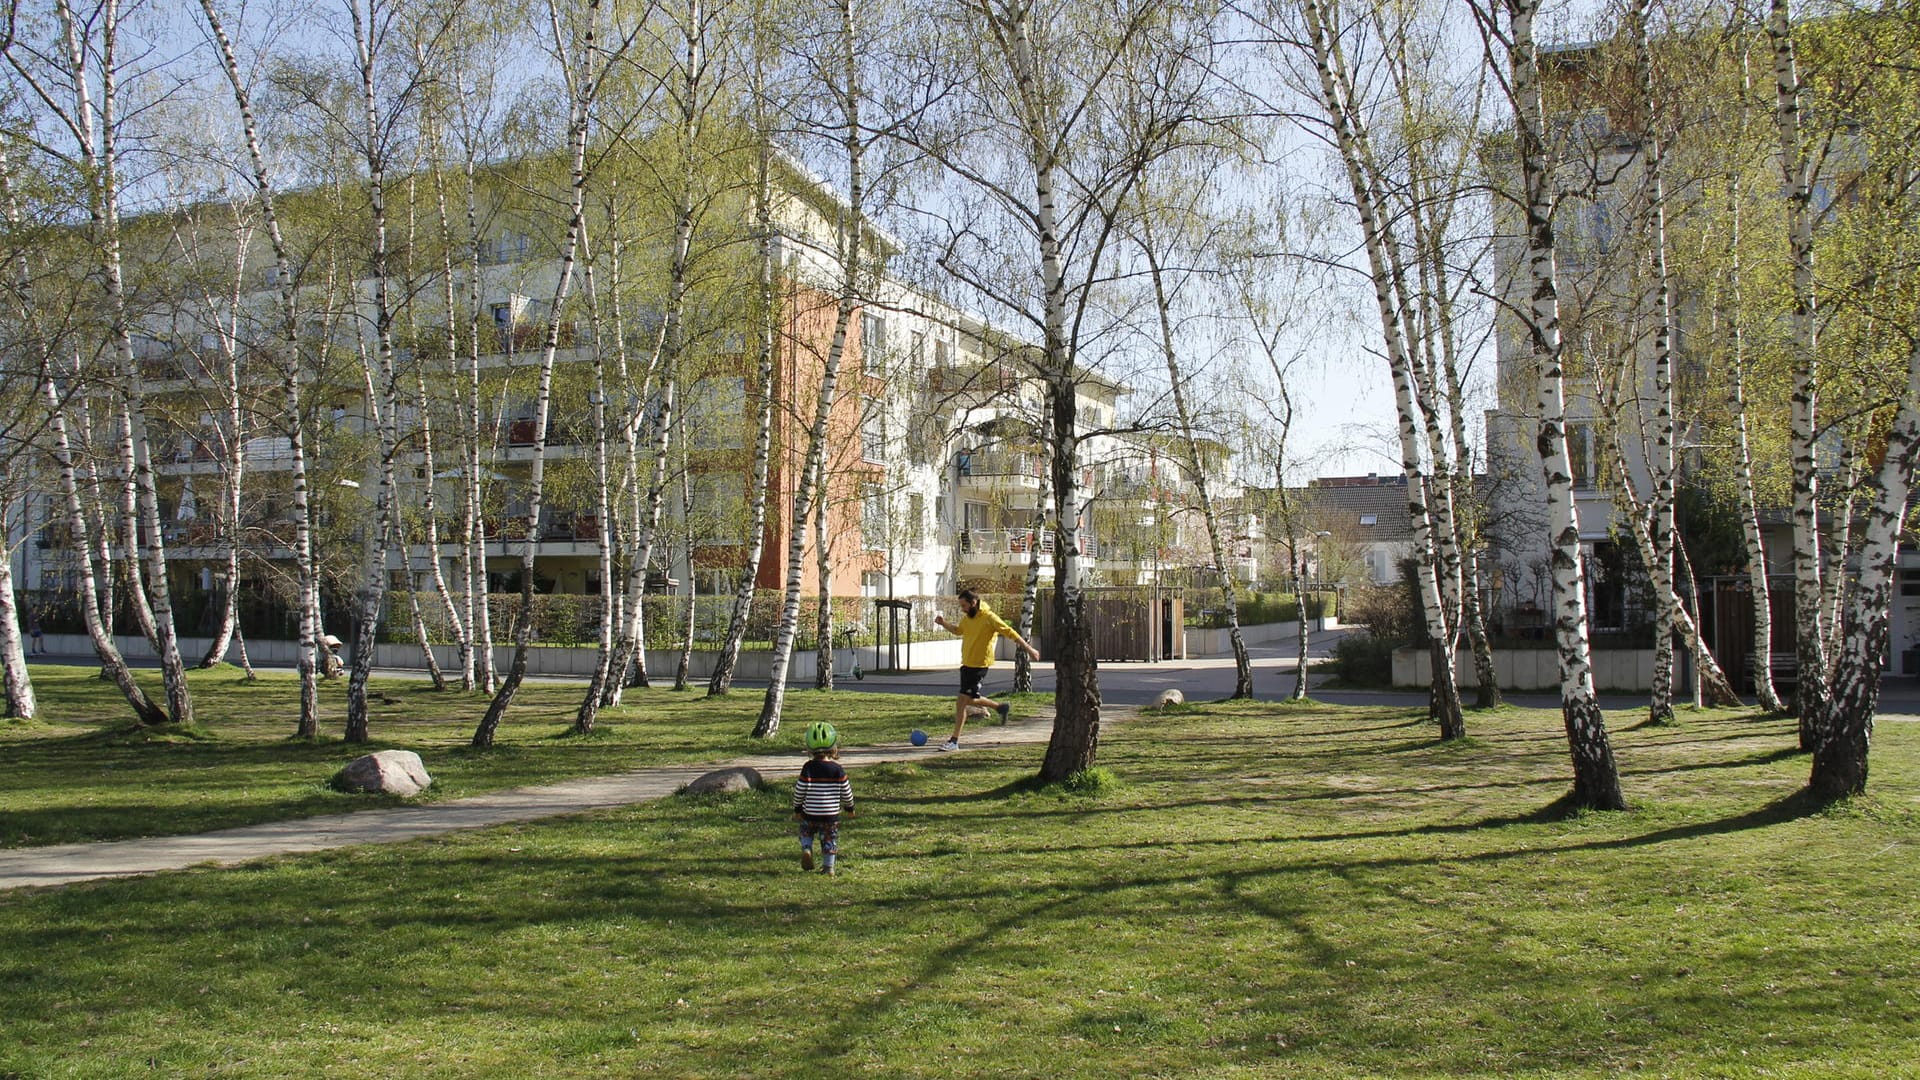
x=1168 y=698
x=726 y=781
x=387 y=772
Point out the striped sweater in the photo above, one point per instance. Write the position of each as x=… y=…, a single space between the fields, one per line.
x=823 y=790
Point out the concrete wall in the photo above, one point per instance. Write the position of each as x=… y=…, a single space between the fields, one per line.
x=1533 y=669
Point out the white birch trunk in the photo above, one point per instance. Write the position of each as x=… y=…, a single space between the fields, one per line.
x=383 y=396
x=1229 y=587
x=1843 y=738
x=1075 y=742
x=13 y=659
x=1445 y=702
x=852 y=242
x=583 y=83
x=756 y=539
x=1596 y=777
x=1661 y=463
x=823 y=573
x=1809 y=640
x=585 y=717
x=1759 y=586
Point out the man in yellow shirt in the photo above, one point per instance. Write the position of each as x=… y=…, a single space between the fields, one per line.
x=978 y=626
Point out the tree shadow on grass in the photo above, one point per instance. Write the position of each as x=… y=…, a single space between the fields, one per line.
x=1785 y=753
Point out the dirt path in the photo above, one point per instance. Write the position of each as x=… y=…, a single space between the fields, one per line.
x=67 y=863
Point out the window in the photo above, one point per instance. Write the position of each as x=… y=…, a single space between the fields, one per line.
x=873 y=344
x=873 y=518
x=1580 y=454
x=507 y=247
x=916 y=521
x=1369 y=519
x=716 y=411
x=718 y=515
x=873 y=430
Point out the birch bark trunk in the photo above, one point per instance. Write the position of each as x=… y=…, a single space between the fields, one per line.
x=288 y=346
x=1758 y=584
x=852 y=242
x=1661 y=535
x=383 y=397
x=1075 y=741
x=13 y=661
x=103 y=194
x=1242 y=663
x=1810 y=691
x=1596 y=777
x=604 y=637
x=1334 y=90
x=1845 y=734
x=583 y=86
x=764 y=320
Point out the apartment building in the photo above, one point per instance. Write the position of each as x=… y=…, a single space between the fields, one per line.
x=933 y=475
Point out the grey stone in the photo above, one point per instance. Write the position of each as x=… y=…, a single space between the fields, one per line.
x=727 y=781
x=1169 y=697
x=388 y=772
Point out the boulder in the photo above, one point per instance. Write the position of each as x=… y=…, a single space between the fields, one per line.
x=387 y=772
x=1169 y=697
x=726 y=781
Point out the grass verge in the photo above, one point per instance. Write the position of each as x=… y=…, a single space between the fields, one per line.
x=83 y=772
x=1263 y=893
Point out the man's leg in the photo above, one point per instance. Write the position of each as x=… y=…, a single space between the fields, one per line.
x=960 y=706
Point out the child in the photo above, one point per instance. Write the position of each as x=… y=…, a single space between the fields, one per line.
x=820 y=795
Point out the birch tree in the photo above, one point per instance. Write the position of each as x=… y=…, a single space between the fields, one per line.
x=1184 y=417
x=1437 y=562
x=1507 y=28
x=761 y=39
x=82 y=84
x=851 y=243
x=1798 y=168
x=1059 y=111
x=285 y=348
x=584 y=64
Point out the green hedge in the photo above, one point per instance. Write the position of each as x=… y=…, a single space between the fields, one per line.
x=1206 y=608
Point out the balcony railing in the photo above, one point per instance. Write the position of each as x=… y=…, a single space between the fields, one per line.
x=996 y=542
x=990 y=465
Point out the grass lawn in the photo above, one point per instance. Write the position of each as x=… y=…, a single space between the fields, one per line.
x=1262 y=891
x=81 y=773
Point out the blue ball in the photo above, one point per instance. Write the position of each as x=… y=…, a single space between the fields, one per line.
x=918 y=738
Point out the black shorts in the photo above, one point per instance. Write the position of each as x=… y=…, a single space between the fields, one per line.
x=970 y=680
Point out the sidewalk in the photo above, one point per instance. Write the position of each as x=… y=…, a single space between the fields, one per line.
x=67 y=863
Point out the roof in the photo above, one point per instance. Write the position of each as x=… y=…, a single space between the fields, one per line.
x=1367 y=512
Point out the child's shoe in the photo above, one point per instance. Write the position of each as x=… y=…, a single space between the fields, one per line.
x=806 y=858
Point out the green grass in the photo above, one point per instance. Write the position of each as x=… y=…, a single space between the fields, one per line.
x=1258 y=892
x=82 y=772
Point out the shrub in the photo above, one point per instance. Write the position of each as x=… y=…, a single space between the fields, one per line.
x=1364 y=660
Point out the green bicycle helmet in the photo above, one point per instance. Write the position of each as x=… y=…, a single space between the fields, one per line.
x=821 y=736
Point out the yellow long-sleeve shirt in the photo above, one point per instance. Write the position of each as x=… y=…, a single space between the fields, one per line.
x=977 y=632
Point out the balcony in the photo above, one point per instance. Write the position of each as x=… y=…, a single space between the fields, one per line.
x=1012 y=547
x=1000 y=470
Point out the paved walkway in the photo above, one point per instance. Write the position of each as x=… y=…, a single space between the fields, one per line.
x=67 y=863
